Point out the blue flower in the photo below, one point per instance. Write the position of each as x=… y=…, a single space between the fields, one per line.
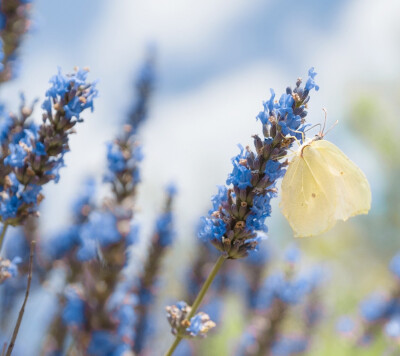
x=6 y=123
x=26 y=136
x=30 y=194
x=62 y=243
x=200 y=324
x=46 y=105
x=9 y=207
x=105 y=343
x=392 y=328
x=241 y=174
x=287 y=346
x=211 y=229
x=289 y=291
x=273 y=170
x=122 y=350
x=15 y=195
x=164 y=229
x=116 y=161
x=63 y=84
x=88 y=250
x=102 y=343
x=8 y=268
x=17 y=155
x=3 y=21
x=126 y=321
x=20 y=146
x=171 y=188
x=60 y=85
x=310 y=81
x=285 y=106
x=121 y=159
x=55 y=172
x=13 y=266
x=219 y=198
x=133 y=235
x=40 y=149
x=73 y=314
x=269 y=106
x=101 y=230
x=375 y=307
x=260 y=210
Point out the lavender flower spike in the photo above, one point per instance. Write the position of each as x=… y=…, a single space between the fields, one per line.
x=146 y=288
x=14 y=23
x=240 y=209
x=197 y=326
x=32 y=156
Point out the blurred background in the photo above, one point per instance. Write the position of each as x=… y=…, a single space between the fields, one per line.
x=215 y=64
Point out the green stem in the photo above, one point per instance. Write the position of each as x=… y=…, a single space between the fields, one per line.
x=173 y=346
x=199 y=299
x=205 y=286
x=3 y=233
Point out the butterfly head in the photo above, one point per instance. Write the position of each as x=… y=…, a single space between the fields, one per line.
x=318 y=136
x=321 y=134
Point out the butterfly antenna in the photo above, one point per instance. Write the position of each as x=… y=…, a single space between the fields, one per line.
x=336 y=122
x=323 y=127
x=313 y=126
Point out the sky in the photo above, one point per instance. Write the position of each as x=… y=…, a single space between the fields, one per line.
x=216 y=61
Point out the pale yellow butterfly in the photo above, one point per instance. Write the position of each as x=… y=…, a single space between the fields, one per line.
x=322 y=185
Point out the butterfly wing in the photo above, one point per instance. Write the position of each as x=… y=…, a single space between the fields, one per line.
x=306 y=202
x=353 y=194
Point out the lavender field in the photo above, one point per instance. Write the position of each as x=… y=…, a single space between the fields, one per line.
x=199 y=178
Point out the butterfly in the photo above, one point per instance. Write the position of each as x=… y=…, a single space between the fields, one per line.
x=322 y=185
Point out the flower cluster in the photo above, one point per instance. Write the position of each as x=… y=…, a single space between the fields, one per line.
x=274 y=300
x=8 y=268
x=145 y=289
x=380 y=312
x=99 y=302
x=14 y=23
x=239 y=211
x=197 y=326
x=125 y=153
x=144 y=86
x=32 y=155
x=123 y=172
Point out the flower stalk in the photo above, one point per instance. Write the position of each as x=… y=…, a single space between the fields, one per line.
x=199 y=299
x=3 y=234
